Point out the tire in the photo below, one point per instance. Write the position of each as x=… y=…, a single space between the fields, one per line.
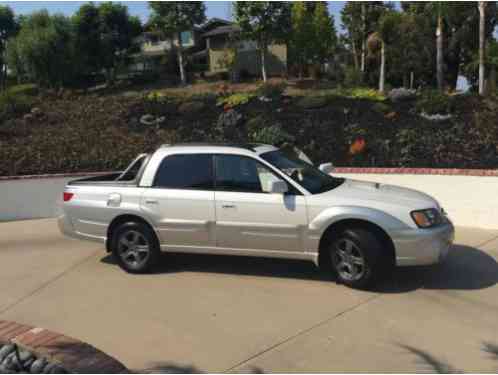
x=135 y=247
x=357 y=258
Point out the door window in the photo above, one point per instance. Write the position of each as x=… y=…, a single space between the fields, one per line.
x=242 y=174
x=187 y=171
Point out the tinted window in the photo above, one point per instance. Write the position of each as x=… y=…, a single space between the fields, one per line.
x=185 y=172
x=239 y=173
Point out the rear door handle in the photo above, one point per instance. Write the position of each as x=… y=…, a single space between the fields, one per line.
x=227 y=206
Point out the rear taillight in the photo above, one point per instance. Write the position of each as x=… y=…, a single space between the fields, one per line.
x=68 y=196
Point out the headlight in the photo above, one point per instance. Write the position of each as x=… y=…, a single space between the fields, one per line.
x=427 y=218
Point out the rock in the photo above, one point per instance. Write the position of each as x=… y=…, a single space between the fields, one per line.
x=147 y=120
x=191 y=107
x=28 y=117
x=49 y=368
x=6 y=350
x=400 y=94
x=312 y=102
x=36 y=111
x=11 y=363
x=57 y=370
x=38 y=365
x=229 y=118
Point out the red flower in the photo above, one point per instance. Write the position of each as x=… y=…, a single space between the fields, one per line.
x=358 y=146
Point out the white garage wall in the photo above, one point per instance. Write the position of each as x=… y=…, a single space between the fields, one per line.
x=470 y=201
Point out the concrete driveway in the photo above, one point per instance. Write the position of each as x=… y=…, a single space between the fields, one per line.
x=228 y=314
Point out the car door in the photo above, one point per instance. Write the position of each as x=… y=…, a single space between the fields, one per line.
x=181 y=201
x=248 y=216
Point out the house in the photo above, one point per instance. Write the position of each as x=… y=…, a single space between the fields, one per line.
x=206 y=47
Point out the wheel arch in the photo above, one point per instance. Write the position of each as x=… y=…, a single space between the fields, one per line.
x=336 y=227
x=125 y=218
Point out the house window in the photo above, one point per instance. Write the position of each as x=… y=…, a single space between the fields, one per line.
x=187 y=38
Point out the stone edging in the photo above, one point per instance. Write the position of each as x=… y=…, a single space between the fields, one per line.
x=345 y=170
x=73 y=355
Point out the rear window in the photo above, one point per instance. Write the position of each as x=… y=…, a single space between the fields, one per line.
x=134 y=168
x=186 y=172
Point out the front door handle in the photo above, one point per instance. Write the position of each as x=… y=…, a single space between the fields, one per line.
x=150 y=201
x=227 y=206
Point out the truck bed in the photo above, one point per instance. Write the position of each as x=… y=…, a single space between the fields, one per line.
x=102 y=180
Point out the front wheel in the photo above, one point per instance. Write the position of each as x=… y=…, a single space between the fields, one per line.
x=135 y=247
x=357 y=258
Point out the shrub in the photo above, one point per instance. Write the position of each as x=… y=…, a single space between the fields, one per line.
x=434 y=102
x=13 y=105
x=352 y=77
x=24 y=89
x=365 y=93
x=271 y=90
x=381 y=108
x=312 y=102
x=235 y=99
x=272 y=135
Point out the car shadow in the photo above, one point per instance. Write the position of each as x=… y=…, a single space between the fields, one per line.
x=466 y=268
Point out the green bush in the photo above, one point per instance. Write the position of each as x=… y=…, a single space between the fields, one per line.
x=435 y=102
x=381 y=108
x=312 y=102
x=28 y=89
x=14 y=105
x=271 y=90
x=272 y=135
x=352 y=77
x=235 y=99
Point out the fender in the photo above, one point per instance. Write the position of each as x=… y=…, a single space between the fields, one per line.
x=319 y=224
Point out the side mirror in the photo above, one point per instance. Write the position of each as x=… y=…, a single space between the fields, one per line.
x=278 y=187
x=326 y=168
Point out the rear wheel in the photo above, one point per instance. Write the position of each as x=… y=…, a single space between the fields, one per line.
x=135 y=247
x=357 y=257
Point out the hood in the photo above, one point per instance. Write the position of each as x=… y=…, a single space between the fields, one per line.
x=391 y=194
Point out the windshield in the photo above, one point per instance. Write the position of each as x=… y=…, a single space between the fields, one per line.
x=305 y=174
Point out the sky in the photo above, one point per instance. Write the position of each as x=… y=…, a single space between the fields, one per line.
x=138 y=8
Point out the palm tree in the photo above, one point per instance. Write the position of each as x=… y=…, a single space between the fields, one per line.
x=482 y=41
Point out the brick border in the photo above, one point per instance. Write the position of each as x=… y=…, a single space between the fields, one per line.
x=425 y=171
x=73 y=355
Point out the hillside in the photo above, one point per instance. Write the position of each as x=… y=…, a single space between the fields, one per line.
x=74 y=132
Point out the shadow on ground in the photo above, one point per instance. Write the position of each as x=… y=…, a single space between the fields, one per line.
x=428 y=362
x=466 y=268
x=173 y=368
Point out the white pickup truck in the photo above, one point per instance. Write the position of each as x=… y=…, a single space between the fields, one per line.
x=254 y=200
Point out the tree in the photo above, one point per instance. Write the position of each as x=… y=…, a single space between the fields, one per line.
x=174 y=17
x=387 y=34
x=44 y=49
x=8 y=28
x=265 y=22
x=482 y=42
x=104 y=37
x=325 y=37
x=302 y=34
x=359 y=20
x=117 y=31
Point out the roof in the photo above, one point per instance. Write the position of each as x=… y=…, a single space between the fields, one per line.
x=257 y=148
x=228 y=29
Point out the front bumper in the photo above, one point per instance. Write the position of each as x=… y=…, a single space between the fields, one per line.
x=416 y=247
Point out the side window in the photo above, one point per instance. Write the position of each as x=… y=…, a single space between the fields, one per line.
x=186 y=171
x=243 y=174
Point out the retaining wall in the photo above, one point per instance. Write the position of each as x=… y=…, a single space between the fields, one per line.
x=469 y=196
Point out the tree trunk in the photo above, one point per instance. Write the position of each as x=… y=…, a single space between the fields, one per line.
x=179 y=54
x=482 y=41
x=439 y=57
x=363 y=36
x=382 y=76
x=355 y=54
x=411 y=80
x=263 y=62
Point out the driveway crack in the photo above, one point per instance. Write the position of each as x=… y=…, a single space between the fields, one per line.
x=47 y=283
x=302 y=332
